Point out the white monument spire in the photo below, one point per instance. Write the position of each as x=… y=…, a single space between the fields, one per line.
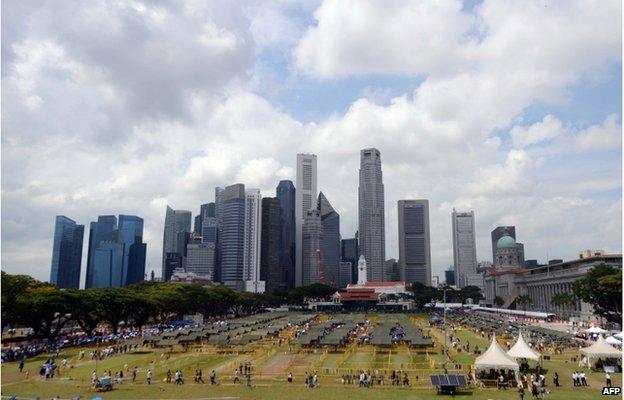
x=361 y=271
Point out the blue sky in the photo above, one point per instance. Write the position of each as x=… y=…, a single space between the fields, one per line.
x=509 y=108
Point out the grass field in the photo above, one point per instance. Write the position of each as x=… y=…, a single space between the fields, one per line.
x=271 y=366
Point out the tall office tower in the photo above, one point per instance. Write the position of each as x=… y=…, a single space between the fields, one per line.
x=134 y=250
x=414 y=244
x=117 y=253
x=66 y=253
x=330 y=245
x=205 y=210
x=209 y=230
x=350 y=254
x=464 y=246
x=285 y=193
x=392 y=270
x=175 y=221
x=231 y=236
x=304 y=201
x=449 y=276
x=252 y=235
x=200 y=258
x=99 y=231
x=219 y=203
x=271 y=271
x=173 y=261
x=345 y=275
x=498 y=233
x=372 y=243
x=312 y=237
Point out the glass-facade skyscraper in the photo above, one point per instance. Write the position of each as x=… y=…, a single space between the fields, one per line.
x=66 y=253
x=305 y=198
x=271 y=271
x=231 y=237
x=414 y=242
x=285 y=193
x=116 y=252
x=176 y=221
x=330 y=245
x=350 y=254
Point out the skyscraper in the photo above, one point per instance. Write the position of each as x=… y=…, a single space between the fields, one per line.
x=134 y=250
x=414 y=242
x=498 y=233
x=304 y=201
x=209 y=230
x=117 y=253
x=252 y=235
x=200 y=258
x=219 y=203
x=330 y=245
x=464 y=246
x=350 y=254
x=231 y=238
x=205 y=210
x=372 y=242
x=285 y=193
x=102 y=230
x=176 y=221
x=66 y=253
x=312 y=237
x=271 y=271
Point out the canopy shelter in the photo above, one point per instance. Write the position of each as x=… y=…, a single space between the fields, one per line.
x=619 y=335
x=596 y=329
x=613 y=340
x=522 y=350
x=600 y=349
x=495 y=358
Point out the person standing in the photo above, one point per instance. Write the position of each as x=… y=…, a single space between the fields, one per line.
x=608 y=379
x=236 y=379
x=521 y=390
x=290 y=378
x=574 y=378
x=583 y=379
x=213 y=377
x=556 y=380
x=168 y=378
x=148 y=376
x=21 y=366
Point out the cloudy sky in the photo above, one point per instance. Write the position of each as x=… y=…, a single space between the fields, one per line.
x=509 y=108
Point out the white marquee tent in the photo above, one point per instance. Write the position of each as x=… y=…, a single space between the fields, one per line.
x=595 y=329
x=600 y=349
x=613 y=340
x=496 y=358
x=522 y=350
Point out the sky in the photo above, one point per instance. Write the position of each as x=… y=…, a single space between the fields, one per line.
x=509 y=108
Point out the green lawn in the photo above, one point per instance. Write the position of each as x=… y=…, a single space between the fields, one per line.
x=272 y=368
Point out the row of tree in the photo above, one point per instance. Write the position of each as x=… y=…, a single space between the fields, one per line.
x=47 y=309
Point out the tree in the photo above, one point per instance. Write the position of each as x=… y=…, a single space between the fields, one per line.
x=82 y=305
x=12 y=287
x=498 y=301
x=424 y=294
x=44 y=309
x=523 y=300
x=602 y=288
x=112 y=305
x=315 y=290
x=470 y=292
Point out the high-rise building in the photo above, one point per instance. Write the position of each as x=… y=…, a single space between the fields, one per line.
x=330 y=245
x=498 y=233
x=134 y=250
x=200 y=258
x=414 y=242
x=520 y=247
x=176 y=221
x=205 y=210
x=219 y=202
x=349 y=254
x=117 y=252
x=173 y=261
x=232 y=236
x=304 y=201
x=392 y=270
x=253 y=232
x=449 y=276
x=372 y=241
x=464 y=246
x=271 y=270
x=209 y=230
x=345 y=275
x=285 y=193
x=66 y=253
x=312 y=237
x=102 y=230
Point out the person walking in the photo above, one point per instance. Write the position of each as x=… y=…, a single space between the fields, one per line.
x=583 y=379
x=608 y=379
x=168 y=378
x=148 y=376
x=521 y=390
x=574 y=378
x=213 y=377
x=556 y=380
x=236 y=378
x=21 y=365
x=290 y=377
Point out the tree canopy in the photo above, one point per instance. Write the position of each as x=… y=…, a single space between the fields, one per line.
x=602 y=288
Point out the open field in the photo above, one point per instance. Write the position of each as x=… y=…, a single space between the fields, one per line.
x=271 y=365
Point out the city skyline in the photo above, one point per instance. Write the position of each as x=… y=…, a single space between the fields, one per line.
x=462 y=127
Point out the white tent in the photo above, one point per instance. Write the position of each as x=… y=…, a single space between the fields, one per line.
x=522 y=350
x=496 y=358
x=600 y=349
x=613 y=340
x=619 y=335
x=595 y=329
